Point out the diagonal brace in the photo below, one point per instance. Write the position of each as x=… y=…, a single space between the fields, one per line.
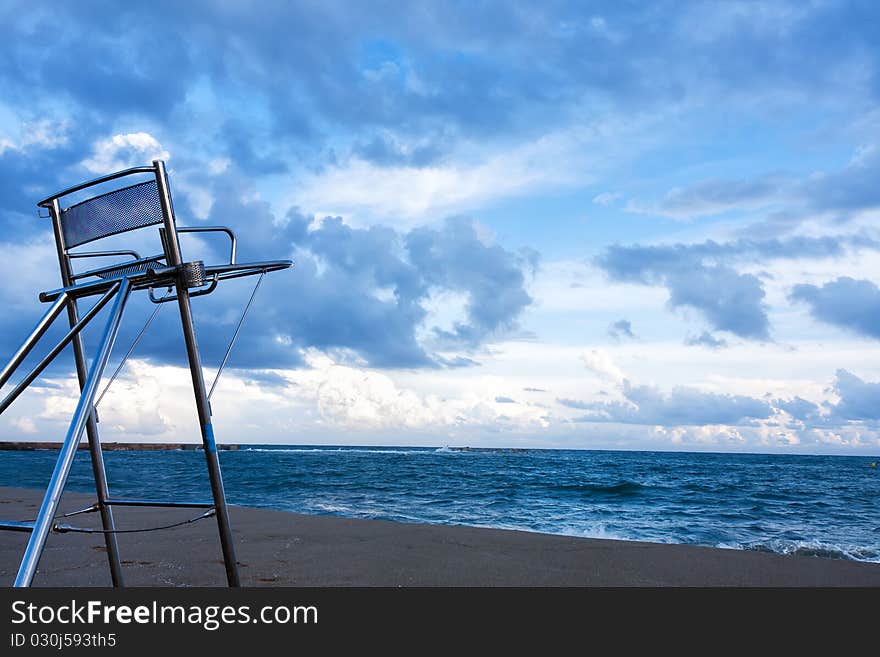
x=49 y=507
x=71 y=334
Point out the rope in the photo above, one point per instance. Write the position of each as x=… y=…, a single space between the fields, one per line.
x=131 y=348
x=89 y=509
x=64 y=529
x=149 y=321
x=235 y=335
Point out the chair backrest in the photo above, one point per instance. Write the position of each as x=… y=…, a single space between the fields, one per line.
x=145 y=203
x=121 y=210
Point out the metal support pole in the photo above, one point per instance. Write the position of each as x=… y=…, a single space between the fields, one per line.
x=82 y=414
x=38 y=332
x=99 y=473
x=53 y=353
x=198 y=381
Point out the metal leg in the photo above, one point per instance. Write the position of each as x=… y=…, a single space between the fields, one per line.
x=204 y=411
x=84 y=410
x=98 y=471
x=172 y=250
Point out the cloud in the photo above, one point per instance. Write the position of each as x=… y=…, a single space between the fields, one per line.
x=712 y=197
x=601 y=363
x=850 y=189
x=42 y=134
x=845 y=192
x=356 y=398
x=858 y=400
x=701 y=276
x=706 y=339
x=574 y=403
x=607 y=198
x=388 y=150
x=621 y=328
x=25 y=425
x=409 y=183
x=401 y=115
x=681 y=407
x=363 y=292
x=730 y=301
x=845 y=302
x=123 y=151
x=456 y=258
x=799 y=408
x=642 y=264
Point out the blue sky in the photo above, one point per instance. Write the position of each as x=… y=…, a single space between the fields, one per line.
x=587 y=225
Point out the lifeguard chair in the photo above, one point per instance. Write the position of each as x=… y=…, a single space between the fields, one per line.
x=140 y=205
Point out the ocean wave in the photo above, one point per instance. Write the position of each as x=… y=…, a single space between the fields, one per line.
x=811 y=549
x=335 y=508
x=594 y=531
x=622 y=489
x=341 y=450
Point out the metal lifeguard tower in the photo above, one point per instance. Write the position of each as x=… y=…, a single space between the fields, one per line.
x=144 y=204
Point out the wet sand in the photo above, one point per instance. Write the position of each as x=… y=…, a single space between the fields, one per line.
x=276 y=548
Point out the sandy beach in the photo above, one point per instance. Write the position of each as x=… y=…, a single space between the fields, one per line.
x=276 y=548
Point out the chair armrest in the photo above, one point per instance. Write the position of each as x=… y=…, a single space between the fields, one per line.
x=213 y=229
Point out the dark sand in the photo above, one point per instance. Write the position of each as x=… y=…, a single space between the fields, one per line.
x=285 y=549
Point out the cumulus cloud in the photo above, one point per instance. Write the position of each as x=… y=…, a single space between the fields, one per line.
x=844 y=302
x=123 y=151
x=702 y=276
x=859 y=400
x=856 y=403
x=358 y=398
x=357 y=291
x=799 y=408
x=729 y=300
x=416 y=112
x=682 y=406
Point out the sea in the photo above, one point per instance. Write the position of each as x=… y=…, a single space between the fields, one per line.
x=826 y=506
